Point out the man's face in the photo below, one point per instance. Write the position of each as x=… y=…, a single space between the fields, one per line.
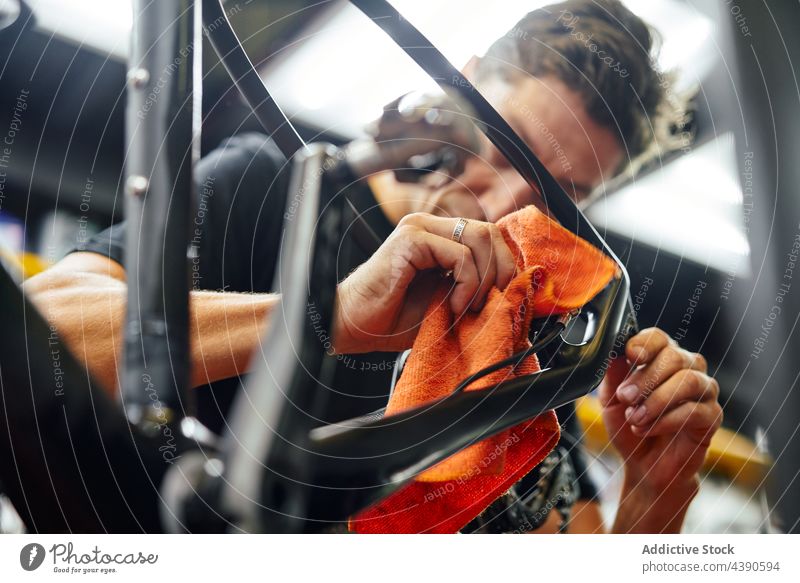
x=552 y=120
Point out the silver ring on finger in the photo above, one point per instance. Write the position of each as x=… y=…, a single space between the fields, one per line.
x=458 y=231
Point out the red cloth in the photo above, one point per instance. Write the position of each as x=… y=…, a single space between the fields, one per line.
x=556 y=272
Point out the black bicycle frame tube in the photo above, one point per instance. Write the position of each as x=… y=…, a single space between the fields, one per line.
x=344 y=469
x=424 y=53
x=285 y=396
x=235 y=60
x=163 y=119
x=504 y=138
x=359 y=462
x=69 y=460
x=233 y=57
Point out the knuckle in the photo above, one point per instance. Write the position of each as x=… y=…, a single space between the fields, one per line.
x=663 y=338
x=719 y=415
x=674 y=358
x=483 y=233
x=703 y=381
x=698 y=361
x=648 y=336
x=711 y=415
x=404 y=231
x=691 y=379
x=400 y=249
x=700 y=382
x=713 y=387
x=413 y=219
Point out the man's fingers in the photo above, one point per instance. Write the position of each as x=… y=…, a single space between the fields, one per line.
x=666 y=363
x=643 y=347
x=684 y=386
x=478 y=237
x=506 y=262
x=432 y=251
x=618 y=369
x=493 y=260
x=699 y=420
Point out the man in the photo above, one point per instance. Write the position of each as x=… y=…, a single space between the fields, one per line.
x=581 y=116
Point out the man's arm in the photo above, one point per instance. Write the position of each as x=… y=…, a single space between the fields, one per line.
x=660 y=419
x=379 y=306
x=640 y=510
x=84 y=294
x=662 y=449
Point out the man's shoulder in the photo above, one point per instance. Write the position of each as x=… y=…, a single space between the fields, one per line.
x=233 y=181
x=249 y=154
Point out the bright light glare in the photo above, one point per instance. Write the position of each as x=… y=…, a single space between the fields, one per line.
x=691 y=208
x=102 y=25
x=345 y=69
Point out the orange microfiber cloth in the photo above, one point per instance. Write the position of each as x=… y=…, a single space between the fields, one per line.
x=556 y=272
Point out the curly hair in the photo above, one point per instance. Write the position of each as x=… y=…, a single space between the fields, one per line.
x=601 y=50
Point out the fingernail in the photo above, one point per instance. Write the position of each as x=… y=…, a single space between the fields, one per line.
x=628 y=392
x=638 y=415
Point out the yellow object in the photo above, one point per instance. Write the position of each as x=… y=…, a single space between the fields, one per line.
x=729 y=454
x=31 y=264
x=24 y=265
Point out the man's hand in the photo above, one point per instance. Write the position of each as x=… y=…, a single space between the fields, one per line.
x=661 y=420
x=381 y=304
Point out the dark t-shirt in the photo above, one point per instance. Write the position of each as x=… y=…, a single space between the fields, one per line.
x=236 y=230
x=235 y=241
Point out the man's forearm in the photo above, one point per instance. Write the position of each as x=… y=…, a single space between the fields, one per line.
x=225 y=330
x=88 y=311
x=643 y=510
